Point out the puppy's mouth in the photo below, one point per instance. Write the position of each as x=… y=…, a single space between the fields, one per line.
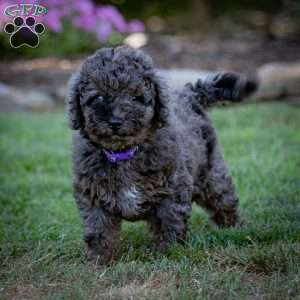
x=118 y=142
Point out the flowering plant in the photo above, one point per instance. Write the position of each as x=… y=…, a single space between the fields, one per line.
x=99 y=19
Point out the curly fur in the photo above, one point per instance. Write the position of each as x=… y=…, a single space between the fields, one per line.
x=179 y=160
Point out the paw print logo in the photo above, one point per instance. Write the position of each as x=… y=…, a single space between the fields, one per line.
x=24 y=33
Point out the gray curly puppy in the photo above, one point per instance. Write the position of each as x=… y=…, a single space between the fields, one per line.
x=142 y=154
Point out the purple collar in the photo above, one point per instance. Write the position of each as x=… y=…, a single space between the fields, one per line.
x=115 y=157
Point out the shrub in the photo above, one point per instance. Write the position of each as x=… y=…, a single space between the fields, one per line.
x=74 y=26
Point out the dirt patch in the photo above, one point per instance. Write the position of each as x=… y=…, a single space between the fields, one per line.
x=155 y=285
x=22 y=292
x=213 y=54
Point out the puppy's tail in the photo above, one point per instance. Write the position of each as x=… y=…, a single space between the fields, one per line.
x=224 y=87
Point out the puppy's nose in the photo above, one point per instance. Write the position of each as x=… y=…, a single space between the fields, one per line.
x=115 y=122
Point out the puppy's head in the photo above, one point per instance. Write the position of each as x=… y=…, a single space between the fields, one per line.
x=116 y=98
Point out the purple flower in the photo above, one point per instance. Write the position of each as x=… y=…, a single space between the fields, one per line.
x=111 y=14
x=85 y=22
x=135 y=26
x=83 y=14
x=84 y=7
x=103 y=32
x=49 y=3
x=3 y=19
x=53 y=20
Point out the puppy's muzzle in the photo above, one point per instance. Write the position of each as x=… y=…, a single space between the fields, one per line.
x=115 y=123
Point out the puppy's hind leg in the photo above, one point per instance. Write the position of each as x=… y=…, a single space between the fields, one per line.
x=217 y=193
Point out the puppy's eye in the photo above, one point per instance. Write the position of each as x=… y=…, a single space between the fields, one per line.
x=95 y=99
x=140 y=99
x=99 y=98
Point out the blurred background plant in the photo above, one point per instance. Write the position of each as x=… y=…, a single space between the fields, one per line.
x=75 y=27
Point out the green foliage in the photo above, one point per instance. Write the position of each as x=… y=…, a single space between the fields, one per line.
x=42 y=254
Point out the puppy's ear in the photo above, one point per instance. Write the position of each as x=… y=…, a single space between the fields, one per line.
x=73 y=103
x=161 y=102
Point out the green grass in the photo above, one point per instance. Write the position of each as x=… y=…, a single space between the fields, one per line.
x=42 y=254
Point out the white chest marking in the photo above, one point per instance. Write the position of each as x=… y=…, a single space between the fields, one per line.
x=130 y=201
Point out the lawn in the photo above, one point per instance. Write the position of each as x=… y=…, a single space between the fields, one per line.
x=42 y=253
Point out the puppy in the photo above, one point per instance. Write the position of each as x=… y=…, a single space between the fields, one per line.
x=140 y=153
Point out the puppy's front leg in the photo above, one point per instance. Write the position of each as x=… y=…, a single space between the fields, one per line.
x=101 y=231
x=170 y=223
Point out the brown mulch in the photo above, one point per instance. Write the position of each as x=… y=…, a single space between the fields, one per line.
x=215 y=54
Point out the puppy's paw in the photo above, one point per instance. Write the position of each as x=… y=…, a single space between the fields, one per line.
x=100 y=253
x=231 y=86
x=100 y=256
x=227 y=219
x=161 y=246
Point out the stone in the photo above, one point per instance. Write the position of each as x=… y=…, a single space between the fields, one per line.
x=8 y=102
x=278 y=80
x=177 y=78
x=15 y=99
